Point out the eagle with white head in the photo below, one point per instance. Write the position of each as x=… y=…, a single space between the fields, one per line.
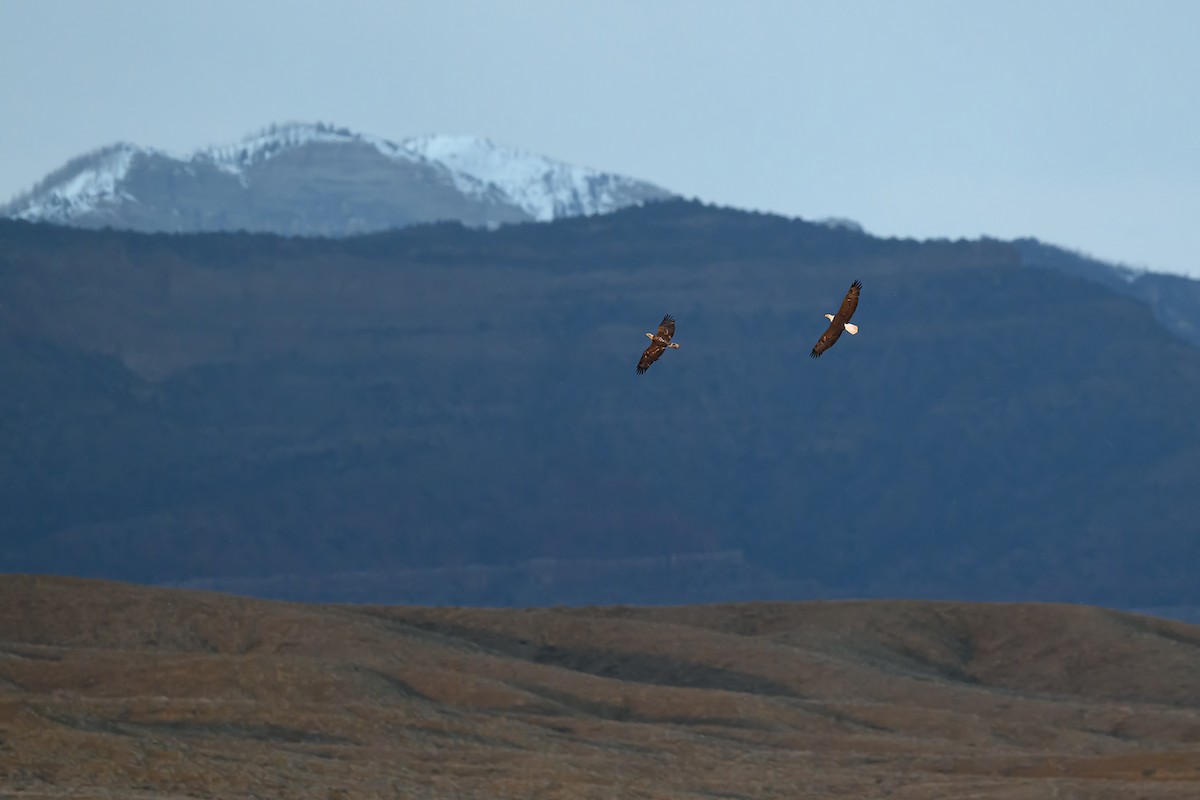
x=659 y=343
x=839 y=322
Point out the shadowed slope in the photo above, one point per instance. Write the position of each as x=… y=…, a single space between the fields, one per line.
x=120 y=688
x=439 y=398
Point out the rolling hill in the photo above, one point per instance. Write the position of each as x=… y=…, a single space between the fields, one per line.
x=112 y=690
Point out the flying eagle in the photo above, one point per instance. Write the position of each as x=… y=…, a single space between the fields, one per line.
x=838 y=322
x=659 y=342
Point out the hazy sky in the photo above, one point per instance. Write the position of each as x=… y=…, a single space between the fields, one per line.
x=1075 y=122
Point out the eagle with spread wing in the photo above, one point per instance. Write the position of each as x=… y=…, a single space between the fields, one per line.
x=838 y=322
x=659 y=342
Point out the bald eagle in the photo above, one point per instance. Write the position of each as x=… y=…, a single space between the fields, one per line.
x=838 y=322
x=659 y=342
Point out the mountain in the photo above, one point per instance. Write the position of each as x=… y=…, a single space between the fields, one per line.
x=318 y=180
x=112 y=690
x=450 y=414
x=1174 y=299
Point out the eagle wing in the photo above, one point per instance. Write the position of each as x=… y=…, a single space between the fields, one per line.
x=836 y=325
x=827 y=339
x=666 y=328
x=650 y=355
x=849 y=304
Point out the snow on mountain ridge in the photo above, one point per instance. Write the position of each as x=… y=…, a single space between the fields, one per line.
x=83 y=184
x=542 y=187
x=261 y=146
x=477 y=167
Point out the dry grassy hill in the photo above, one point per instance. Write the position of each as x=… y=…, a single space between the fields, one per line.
x=116 y=690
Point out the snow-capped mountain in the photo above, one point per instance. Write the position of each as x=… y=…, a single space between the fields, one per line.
x=305 y=179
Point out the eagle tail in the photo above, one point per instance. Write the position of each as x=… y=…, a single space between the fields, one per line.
x=851 y=328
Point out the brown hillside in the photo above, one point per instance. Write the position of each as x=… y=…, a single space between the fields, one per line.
x=115 y=690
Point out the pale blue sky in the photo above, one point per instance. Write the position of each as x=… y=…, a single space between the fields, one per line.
x=1076 y=122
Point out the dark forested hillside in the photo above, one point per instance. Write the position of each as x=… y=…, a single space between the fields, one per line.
x=364 y=418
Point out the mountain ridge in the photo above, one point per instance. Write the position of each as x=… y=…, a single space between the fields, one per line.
x=240 y=406
x=1175 y=299
x=318 y=179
